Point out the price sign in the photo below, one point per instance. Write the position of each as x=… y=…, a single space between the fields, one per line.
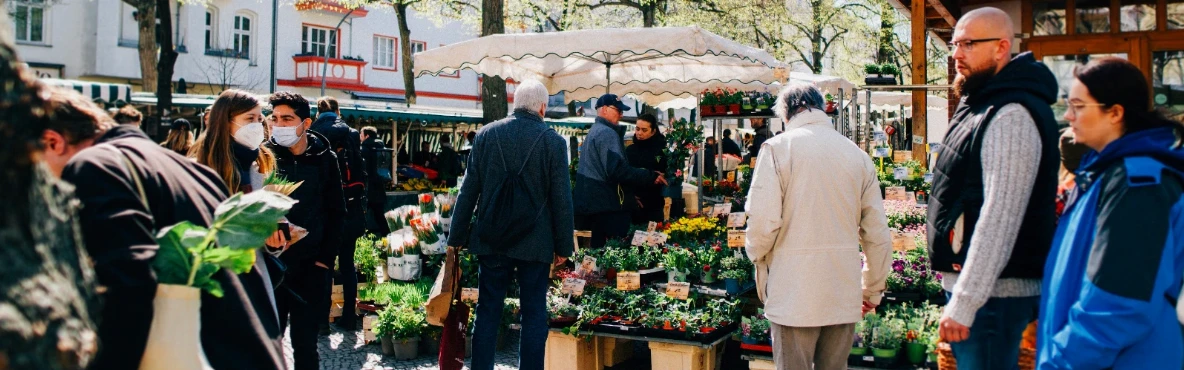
x=678 y=290
x=721 y=209
x=469 y=295
x=639 y=238
x=656 y=238
x=651 y=227
x=895 y=193
x=732 y=176
x=901 y=156
x=573 y=286
x=901 y=173
x=628 y=280
x=588 y=264
x=737 y=219
x=880 y=153
x=736 y=238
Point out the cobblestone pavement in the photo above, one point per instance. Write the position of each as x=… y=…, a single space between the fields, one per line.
x=348 y=351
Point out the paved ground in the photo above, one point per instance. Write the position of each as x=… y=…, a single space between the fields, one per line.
x=347 y=351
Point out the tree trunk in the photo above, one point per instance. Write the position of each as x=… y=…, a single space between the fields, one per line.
x=146 y=18
x=168 y=58
x=493 y=88
x=405 y=44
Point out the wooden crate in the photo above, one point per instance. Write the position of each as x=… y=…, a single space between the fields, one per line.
x=614 y=351
x=565 y=352
x=758 y=364
x=666 y=356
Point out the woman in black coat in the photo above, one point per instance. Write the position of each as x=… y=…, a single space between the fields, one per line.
x=648 y=151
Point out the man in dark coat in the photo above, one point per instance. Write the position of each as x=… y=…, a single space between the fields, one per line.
x=649 y=152
x=304 y=155
x=239 y=330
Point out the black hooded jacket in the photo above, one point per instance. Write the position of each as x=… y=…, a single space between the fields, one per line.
x=321 y=205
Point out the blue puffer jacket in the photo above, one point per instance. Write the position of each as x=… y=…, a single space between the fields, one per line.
x=1114 y=271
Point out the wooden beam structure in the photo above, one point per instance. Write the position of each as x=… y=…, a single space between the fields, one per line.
x=920 y=65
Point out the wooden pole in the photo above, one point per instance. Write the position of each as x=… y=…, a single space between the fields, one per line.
x=920 y=105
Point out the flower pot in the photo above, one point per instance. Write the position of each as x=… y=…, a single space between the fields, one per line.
x=858 y=351
x=915 y=352
x=388 y=345
x=733 y=286
x=174 y=340
x=673 y=276
x=733 y=108
x=884 y=353
x=405 y=348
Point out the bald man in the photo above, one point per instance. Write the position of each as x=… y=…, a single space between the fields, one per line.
x=993 y=203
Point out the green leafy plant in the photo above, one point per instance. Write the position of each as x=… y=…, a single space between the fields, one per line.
x=190 y=254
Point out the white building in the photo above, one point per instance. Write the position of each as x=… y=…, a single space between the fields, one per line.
x=227 y=43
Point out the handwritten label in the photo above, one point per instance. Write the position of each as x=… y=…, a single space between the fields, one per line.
x=651 y=227
x=895 y=193
x=573 y=286
x=678 y=290
x=737 y=219
x=469 y=294
x=639 y=238
x=918 y=139
x=737 y=238
x=901 y=173
x=880 y=153
x=628 y=280
x=588 y=264
x=901 y=156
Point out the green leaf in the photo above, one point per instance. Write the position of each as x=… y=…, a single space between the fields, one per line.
x=173 y=258
x=245 y=221
x=237 y=260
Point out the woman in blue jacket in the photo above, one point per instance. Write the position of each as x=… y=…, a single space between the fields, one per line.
x=1115 y=267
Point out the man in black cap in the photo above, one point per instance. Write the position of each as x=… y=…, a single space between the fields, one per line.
x=604 y=179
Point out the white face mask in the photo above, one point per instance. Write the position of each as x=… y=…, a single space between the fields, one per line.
x=285 y=136
x=250 y=135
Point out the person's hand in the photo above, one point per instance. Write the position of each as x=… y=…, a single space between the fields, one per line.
x=321 y=265
x=277 y=240
x=639 y=205
x=661 y=179
x=952 y=331
x=868 y=307
x=559 y=260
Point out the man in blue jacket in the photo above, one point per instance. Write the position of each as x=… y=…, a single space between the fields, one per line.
x=605 y=180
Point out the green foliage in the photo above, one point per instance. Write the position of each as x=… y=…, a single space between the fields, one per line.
x=190 y=254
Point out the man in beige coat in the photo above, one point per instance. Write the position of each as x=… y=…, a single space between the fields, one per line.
x=814 y=201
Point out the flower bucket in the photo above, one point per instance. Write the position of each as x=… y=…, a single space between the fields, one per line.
x=858 y=351
x=673 y=276
x=406 y=348
x=733 y=286
x=411 y=267
x=915 y=352
x=174 y=340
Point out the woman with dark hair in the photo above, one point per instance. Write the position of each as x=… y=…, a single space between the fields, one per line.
x=180 y=137
x=47 y=285
x=232 y=141
x=1113 y=274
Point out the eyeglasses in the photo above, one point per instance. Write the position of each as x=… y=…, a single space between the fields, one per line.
x=1076 y=107
x=968 y=44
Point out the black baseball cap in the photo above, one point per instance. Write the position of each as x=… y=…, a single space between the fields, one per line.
x=611 y=99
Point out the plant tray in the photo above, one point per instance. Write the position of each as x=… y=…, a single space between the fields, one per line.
x=694 y=337
x=757 y=347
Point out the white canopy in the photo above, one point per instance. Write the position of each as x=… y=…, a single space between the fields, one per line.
x=641 y=61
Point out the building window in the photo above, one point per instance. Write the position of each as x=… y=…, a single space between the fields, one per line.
x=1137 y=15
x=384 y=52
x=29 y=19
x=210 y=27
x=319 y=41
x=242 y=35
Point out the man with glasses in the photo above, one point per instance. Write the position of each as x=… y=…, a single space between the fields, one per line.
x=304 y=156
x=992 y=209
x=605 y=181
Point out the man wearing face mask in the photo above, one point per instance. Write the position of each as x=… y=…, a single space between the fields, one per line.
x=304 y=155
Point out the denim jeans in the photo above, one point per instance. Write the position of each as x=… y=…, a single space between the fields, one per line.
x=994 y=342
x=495 y=274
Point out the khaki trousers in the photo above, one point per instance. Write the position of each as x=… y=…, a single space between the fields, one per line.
x=806 y=348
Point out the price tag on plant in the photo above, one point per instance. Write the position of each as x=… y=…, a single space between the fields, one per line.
x=737 y=238
x=469 y=295
x=737 y=219
x=895 y=193
x=628 y=280
x=573 y=286
x=880 y=153
x=639 y=238
x=901 y=173
x=651 y=227
x=588 y=265
x=928 y=178
x=678 y=290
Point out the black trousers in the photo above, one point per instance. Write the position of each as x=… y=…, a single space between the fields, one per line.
x=609 y=225
x=302 y=304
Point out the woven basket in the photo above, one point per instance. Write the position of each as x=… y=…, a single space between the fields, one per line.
x=945 y=358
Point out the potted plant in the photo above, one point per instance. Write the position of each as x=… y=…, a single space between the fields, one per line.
x=735 y=272
x=407 y=327
x=677 y=261
x=888 y=73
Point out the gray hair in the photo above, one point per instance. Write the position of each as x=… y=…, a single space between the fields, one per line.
x=797 y=95
x=530 y=95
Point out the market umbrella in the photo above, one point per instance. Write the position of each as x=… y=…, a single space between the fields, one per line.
x=654 y=59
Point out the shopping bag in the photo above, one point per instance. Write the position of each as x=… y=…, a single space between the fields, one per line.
x=445 y=290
